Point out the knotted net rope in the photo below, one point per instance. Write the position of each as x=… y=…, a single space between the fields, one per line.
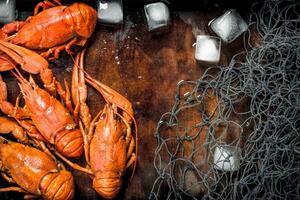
x=244 y=138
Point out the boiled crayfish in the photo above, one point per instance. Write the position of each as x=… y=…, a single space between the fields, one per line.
x=54 y=29
x=109 y=148
x=50 y=120
x=49 y=31
x=35 y=172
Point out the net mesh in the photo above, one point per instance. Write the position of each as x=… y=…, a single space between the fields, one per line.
x=242 y=136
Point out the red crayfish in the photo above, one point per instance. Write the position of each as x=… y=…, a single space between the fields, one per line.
x=110 y=147
x=56 y=28
x=50 y=31
x=50 y=120
x=35 y=172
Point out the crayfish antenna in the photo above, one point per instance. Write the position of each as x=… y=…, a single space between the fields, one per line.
x=23 y=83
x=136 y=148
x=32 y=81
x=19 y=76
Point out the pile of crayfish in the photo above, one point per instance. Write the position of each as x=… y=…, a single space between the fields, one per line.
x=54 y=124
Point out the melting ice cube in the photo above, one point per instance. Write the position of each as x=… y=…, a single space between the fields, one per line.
x=157 y=16
x=110 y=12
x=226 y=158
x=7 y=11
x=208 y=49
x=229 y=26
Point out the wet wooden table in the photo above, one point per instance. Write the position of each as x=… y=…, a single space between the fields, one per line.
x=146 y=69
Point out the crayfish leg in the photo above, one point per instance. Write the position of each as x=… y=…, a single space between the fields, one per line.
x=65 y=94
x=74 y=165
x=79 y=91
x=130 y=144
x=13 y=189
x=7 y=107
x=46 y=5
x=57 y=49
x=86 y=144
x=31 y=196
x=7 y=178
x=92 y=126
x=112 y=96
x=41 y=145
x=130 y=147
x=128 y=138
x=131 y=161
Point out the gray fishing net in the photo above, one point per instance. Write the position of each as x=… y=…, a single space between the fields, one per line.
x=242 y=138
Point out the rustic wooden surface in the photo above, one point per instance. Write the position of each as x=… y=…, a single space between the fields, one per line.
x=146 y=69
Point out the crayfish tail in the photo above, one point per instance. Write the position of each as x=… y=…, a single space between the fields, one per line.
x=107 y=184
x=57 y=185
x=69 y=143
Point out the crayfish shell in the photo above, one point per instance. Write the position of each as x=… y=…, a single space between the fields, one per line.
x=69 y=143
x=107 y=184
x=57 y=185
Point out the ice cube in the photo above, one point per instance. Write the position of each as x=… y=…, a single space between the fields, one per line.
x=110 y=12
x=208 y=49
x=7 y=11
x=229 y=26
x=226 y=158
x=157 y=16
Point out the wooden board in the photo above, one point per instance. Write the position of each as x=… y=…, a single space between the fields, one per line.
x=146 y=69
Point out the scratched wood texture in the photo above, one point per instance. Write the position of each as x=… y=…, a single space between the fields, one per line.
x=145 y=68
